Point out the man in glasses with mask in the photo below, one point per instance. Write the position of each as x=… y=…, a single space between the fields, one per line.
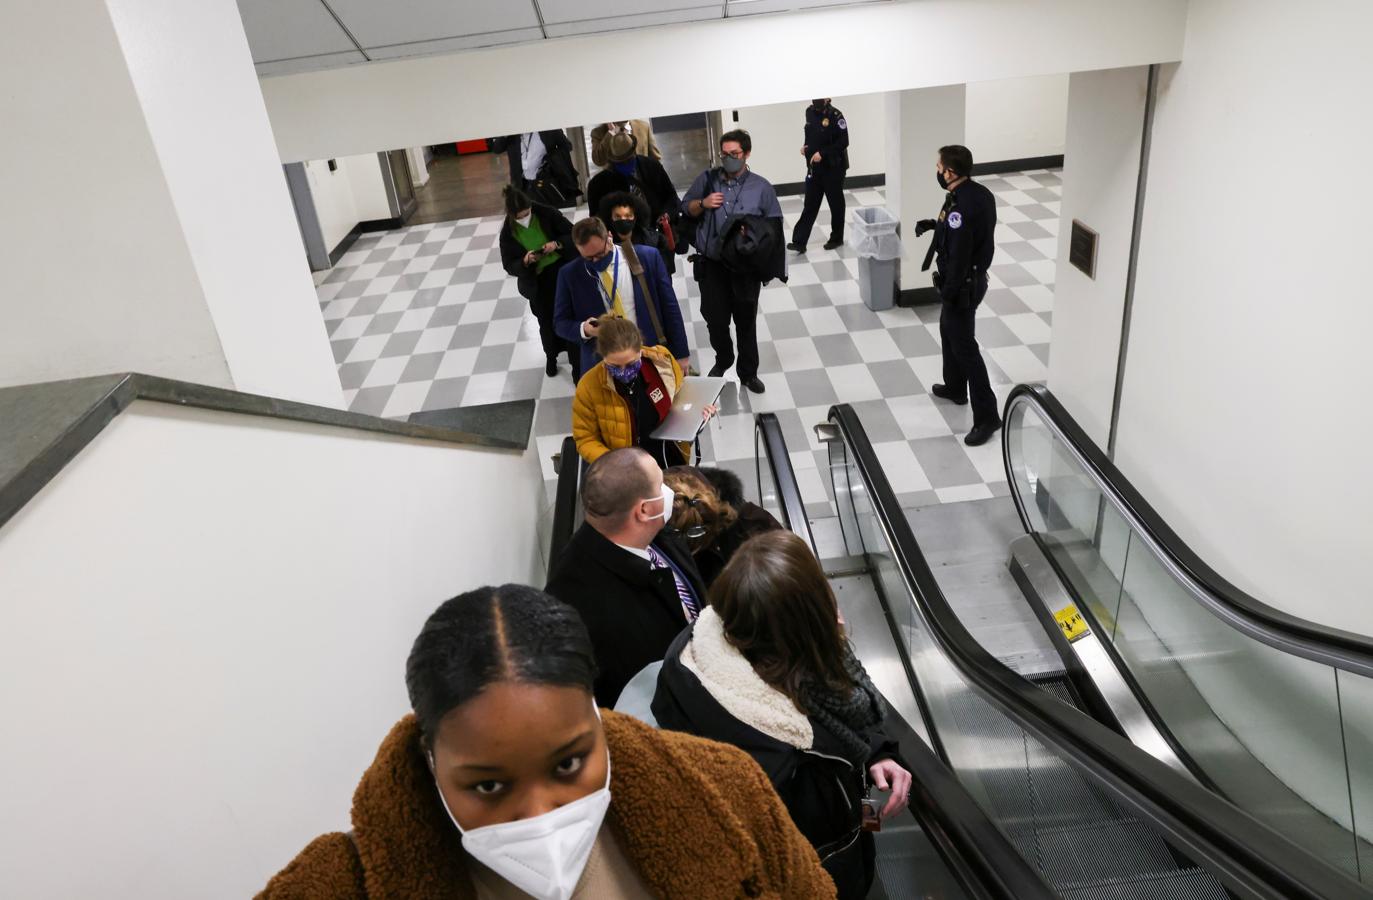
x=603 y=283
x=735 y=207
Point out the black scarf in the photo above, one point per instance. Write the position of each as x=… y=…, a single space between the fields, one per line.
x=849 y=715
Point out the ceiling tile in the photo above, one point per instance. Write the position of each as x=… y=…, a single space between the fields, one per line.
x=621 y=23
x=377 y=24
x=753 y=7
x=309 y=63
x=285 y=29
x=574 y=11
x=448 y=45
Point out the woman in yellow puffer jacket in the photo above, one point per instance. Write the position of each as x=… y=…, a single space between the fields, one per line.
x=626 y=395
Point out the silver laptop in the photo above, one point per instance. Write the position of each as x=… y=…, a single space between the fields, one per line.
x=684 y=420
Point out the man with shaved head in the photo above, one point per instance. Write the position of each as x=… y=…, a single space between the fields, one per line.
x=634 y=584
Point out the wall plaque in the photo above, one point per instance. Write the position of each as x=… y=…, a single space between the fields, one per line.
x=1082 y=249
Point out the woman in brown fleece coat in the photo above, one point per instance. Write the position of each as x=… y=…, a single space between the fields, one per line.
x=500 y=678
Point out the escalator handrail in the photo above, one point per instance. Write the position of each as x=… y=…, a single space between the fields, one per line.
x=767 y=426
x=1244 y=851
x=565 y=500
x=1283 y=631
x=977 y=852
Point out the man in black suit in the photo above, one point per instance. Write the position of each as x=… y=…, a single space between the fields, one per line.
x=635 y=585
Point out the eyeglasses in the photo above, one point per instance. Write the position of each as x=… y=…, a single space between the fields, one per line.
x=737 y=154
x=693 y=532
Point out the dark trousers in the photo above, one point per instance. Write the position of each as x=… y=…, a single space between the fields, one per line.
x=726 y=295
x=542 y=307
x=830 y=185
x=965 y=374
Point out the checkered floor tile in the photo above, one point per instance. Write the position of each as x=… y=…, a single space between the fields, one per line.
x=425 y=318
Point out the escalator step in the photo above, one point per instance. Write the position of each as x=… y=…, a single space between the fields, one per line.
x=1190 y=885
x=909 y=868
x=1096 y=852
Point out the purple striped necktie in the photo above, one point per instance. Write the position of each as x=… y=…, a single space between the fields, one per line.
x=659 y=561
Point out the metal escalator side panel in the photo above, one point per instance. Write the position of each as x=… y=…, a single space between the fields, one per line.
x=1321 y=643
x=1251 y=859
x=1084 y=650
x=1250 y=699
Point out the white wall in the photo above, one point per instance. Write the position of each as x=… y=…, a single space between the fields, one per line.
x=1017 y=118
x=869 y=49
x=332 y=193
x=354 y=192
x=206 y=623
x=200 y=99
x=95 y=274
x=918 y=123
x=1245 y=382
x=1012 y=118
x=1104 y=130
x=369 y=186
x=778 y=130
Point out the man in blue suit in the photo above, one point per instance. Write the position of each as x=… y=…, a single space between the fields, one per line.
x=602 y=283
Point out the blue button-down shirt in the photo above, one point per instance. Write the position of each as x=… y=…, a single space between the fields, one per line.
x=748 y=194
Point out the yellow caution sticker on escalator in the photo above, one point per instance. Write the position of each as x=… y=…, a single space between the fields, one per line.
x=1071 y=623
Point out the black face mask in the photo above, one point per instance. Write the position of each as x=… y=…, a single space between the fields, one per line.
x=940 y=178
x=818 y=103
x=622 y=227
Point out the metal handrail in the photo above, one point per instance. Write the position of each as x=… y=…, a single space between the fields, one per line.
x=1248 y=855
x=566 y=500
x=1320 y=643
x=767 y=435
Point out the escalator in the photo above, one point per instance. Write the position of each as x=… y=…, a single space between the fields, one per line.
x=945 y=845
x=1020 y=792
x=1093 y=814
x=1267 y=710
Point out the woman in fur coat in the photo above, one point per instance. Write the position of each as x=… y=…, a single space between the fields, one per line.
x=507 y=782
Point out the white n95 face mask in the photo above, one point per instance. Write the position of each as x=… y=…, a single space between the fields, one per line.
x=668 y=498
x=543 y=856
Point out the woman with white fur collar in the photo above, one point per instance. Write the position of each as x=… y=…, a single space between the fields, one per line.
x=766 y=667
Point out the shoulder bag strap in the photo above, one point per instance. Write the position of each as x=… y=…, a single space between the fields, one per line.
x=636 y=269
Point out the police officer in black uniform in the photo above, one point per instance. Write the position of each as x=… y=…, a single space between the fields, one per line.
x=827 y=159
x=963 y=245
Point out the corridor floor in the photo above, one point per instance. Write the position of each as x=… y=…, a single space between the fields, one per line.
x=425 y=318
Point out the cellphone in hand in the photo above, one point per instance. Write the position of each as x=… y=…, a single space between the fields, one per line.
x=872 y=818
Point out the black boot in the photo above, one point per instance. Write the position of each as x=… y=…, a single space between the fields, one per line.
x=944 y=393
x=982 y=433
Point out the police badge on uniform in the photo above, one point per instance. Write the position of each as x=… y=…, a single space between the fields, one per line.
x=955 y=219
x=656 y=395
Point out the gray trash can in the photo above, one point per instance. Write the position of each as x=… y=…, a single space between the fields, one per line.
x=872 y=235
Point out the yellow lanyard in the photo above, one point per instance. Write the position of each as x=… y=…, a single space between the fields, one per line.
x=610 y=281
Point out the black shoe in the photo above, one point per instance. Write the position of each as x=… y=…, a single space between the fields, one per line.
x=944 y=393
x=799 y=248
x=719 y=369
x=832 y=243
x=982 y=433
x=551 y=367
x=755 y=385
